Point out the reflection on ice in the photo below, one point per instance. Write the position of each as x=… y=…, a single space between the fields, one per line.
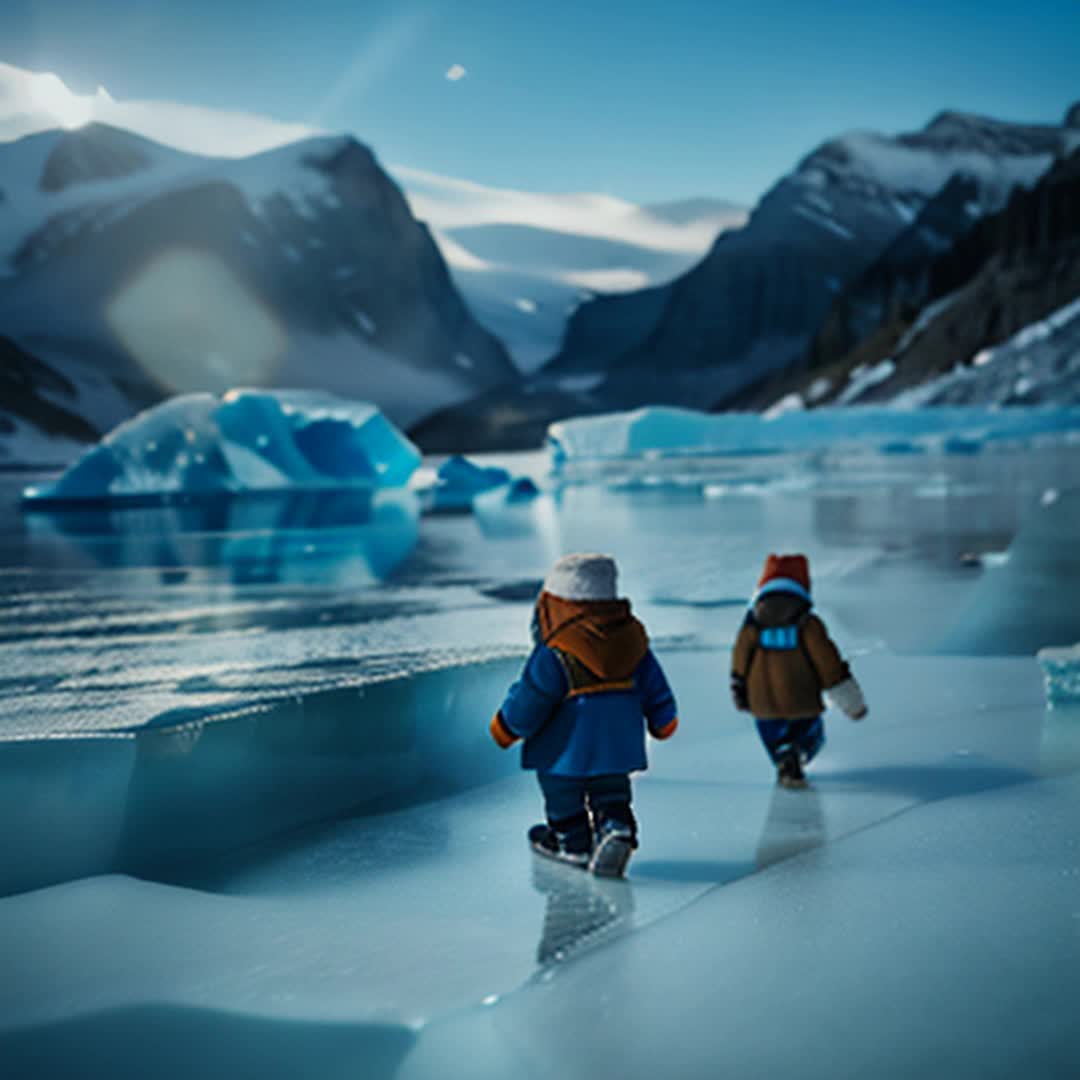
x=582 y=909
x=344 y=537
x=795 y=823
x=1059 y=751
x=1031 y=599
x=517 y=509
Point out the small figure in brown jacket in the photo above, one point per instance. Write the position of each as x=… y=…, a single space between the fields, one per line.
x=782 y=662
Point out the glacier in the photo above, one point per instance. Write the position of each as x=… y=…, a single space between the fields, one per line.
x=245 y=441
x=657 y=432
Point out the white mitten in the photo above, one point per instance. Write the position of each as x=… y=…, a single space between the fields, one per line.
x=848 y=697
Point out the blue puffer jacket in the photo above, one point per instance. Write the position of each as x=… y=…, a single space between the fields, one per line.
x=586 y=734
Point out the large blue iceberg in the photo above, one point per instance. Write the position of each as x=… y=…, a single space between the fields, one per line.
x=663 y=431
x=246 y=441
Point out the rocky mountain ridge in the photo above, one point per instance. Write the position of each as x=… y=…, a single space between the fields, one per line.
x=134 y=271
x=836 y=244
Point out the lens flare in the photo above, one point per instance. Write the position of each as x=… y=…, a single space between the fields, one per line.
x=192 y=324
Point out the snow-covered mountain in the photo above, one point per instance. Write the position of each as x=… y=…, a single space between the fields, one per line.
x=526 y=260
x=133 y=270
x=747 y=313
x=524 y=282
x=752 y=303
x=990 y=319
x=35 y=101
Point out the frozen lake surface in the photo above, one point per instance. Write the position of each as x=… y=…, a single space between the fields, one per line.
x=258 y=827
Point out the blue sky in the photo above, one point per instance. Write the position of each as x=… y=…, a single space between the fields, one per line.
x=644 y=99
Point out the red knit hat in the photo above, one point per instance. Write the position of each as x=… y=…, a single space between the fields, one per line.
x=793 y=567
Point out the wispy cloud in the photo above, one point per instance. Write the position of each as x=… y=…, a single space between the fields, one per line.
x=620 y=279
x=457 y=256
x=456 y=72
x=449 y=203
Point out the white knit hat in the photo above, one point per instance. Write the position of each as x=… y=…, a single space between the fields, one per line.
x=582 y=577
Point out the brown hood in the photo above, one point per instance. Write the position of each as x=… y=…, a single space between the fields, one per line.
x=779 y=609
x=602 y=634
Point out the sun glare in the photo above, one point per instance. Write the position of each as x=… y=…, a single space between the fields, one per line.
x=192 y=324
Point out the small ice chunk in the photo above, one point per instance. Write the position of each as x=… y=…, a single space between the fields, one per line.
x=458 y=481
x=1061 y=674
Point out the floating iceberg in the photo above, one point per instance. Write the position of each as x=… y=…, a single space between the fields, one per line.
x=663 y=431
x=1061 y=673
x=458 y=481
x=248 y=440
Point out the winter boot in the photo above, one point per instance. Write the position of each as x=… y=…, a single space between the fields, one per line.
x=571 y=842
x=614 y=841
x=789 y=771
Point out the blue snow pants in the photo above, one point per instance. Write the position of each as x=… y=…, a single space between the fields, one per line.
x=779 y=736
x=566 y=798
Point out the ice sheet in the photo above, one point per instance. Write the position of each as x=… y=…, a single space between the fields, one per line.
x=940 y=943
x=204 y=902
x=156 y=609
x=393 y=922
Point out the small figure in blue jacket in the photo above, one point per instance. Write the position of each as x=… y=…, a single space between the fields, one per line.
x=582 y=704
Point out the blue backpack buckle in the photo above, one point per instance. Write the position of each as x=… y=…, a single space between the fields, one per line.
x=779 y=637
